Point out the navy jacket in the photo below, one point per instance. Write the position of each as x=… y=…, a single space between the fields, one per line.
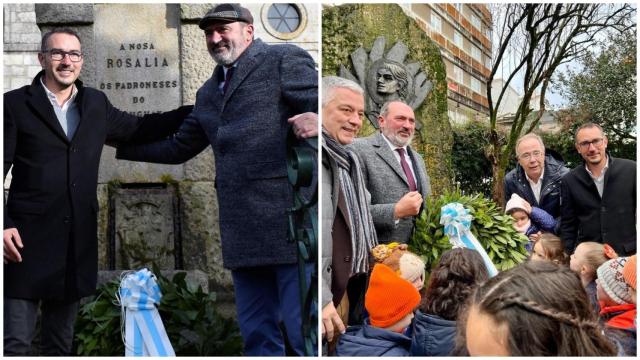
x=247 y=128
x=432 y=335
x=540 y=221
x=52 y=200
x=366 y=340
x=610 y=219
x=516 y=182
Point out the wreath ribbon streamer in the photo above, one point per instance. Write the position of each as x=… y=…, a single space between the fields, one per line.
x=457 y=224
x=145 y=334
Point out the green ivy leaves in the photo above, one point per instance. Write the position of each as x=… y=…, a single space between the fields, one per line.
x=493 y=229
x=189 y=316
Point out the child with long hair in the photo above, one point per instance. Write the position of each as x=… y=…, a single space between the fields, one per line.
x=585 y=260
x=451 y=282
x=549 y=247
x=535 y=309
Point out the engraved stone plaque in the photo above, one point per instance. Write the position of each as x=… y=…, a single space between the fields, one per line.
x=137 y=66
x=143 y=220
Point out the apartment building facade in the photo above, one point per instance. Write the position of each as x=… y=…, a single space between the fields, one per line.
x=463 y=33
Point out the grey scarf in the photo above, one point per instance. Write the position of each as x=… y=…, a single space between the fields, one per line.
x=363 y=232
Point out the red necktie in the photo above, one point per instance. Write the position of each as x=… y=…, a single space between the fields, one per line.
x=407 y=170
x=227 y=80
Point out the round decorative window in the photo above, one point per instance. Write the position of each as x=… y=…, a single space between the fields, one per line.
x=284 y=21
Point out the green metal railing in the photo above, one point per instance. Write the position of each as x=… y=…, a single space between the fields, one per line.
x=303 y=230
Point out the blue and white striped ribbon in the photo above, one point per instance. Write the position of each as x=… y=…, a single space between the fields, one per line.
x=457 y=222
x=145 y=334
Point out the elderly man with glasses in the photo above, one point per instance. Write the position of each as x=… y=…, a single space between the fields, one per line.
x=537 y=175
x=599 y=196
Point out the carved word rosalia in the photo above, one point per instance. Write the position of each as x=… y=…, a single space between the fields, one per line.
x=386 y=77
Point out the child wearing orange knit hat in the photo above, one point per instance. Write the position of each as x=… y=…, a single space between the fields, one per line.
x=390 y=301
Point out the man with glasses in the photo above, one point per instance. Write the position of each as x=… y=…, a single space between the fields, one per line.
x=54 y=131
x=599 y=196
x=537 y=175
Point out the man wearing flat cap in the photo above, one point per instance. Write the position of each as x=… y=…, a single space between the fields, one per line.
x=256 y=95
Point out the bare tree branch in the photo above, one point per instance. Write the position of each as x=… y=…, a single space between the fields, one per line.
x=533 y=41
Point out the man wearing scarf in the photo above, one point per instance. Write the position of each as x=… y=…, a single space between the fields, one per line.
x=348 y=230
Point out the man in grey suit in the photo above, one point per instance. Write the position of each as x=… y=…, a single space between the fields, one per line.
x=244 y=111
x=394 y=173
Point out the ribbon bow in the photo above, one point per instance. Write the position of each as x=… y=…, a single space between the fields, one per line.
x=457 y=224
x=145 y=334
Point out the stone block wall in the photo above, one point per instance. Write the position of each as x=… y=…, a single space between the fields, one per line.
x=21 y=45
x=193 y=181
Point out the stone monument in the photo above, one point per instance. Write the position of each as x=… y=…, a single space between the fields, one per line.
x=386 y=77
x=152 y=58
x=384 y=50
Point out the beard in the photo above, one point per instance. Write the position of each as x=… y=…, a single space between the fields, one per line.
x=225 y=57
x=395 y=138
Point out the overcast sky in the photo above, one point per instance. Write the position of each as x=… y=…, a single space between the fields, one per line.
x=555 y=99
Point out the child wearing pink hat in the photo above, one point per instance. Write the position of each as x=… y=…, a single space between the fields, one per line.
x=529 y=220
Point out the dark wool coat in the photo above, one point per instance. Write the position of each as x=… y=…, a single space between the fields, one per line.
x=432 y=335
x=336 y=235
x=516 y=182
x=610 y=219
x=247 y=128
x=367 y=340
x=52 y=199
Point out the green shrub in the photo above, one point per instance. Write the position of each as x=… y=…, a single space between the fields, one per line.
x=471 y=168
x=193 y=325
x=493 y=229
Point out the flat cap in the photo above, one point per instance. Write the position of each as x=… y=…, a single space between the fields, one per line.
x=226 y=13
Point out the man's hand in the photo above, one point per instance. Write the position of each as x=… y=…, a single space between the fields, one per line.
x=12 y=242
x=305 y=125
x=408 y=205
x=331 y=321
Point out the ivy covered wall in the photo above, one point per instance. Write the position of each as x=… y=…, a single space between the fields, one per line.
x=347 y=27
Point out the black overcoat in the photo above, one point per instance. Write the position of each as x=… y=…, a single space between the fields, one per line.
x=610 y=219
x=52 y=199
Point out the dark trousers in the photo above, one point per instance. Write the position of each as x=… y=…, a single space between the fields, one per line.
x=265 y=296
x=56 y=332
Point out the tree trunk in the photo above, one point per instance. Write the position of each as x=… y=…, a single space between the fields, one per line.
x=498 y=184
x=497 y=167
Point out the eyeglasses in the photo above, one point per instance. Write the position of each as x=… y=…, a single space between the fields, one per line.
x=596 y=143
x=527 y=156
x=58 y=55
